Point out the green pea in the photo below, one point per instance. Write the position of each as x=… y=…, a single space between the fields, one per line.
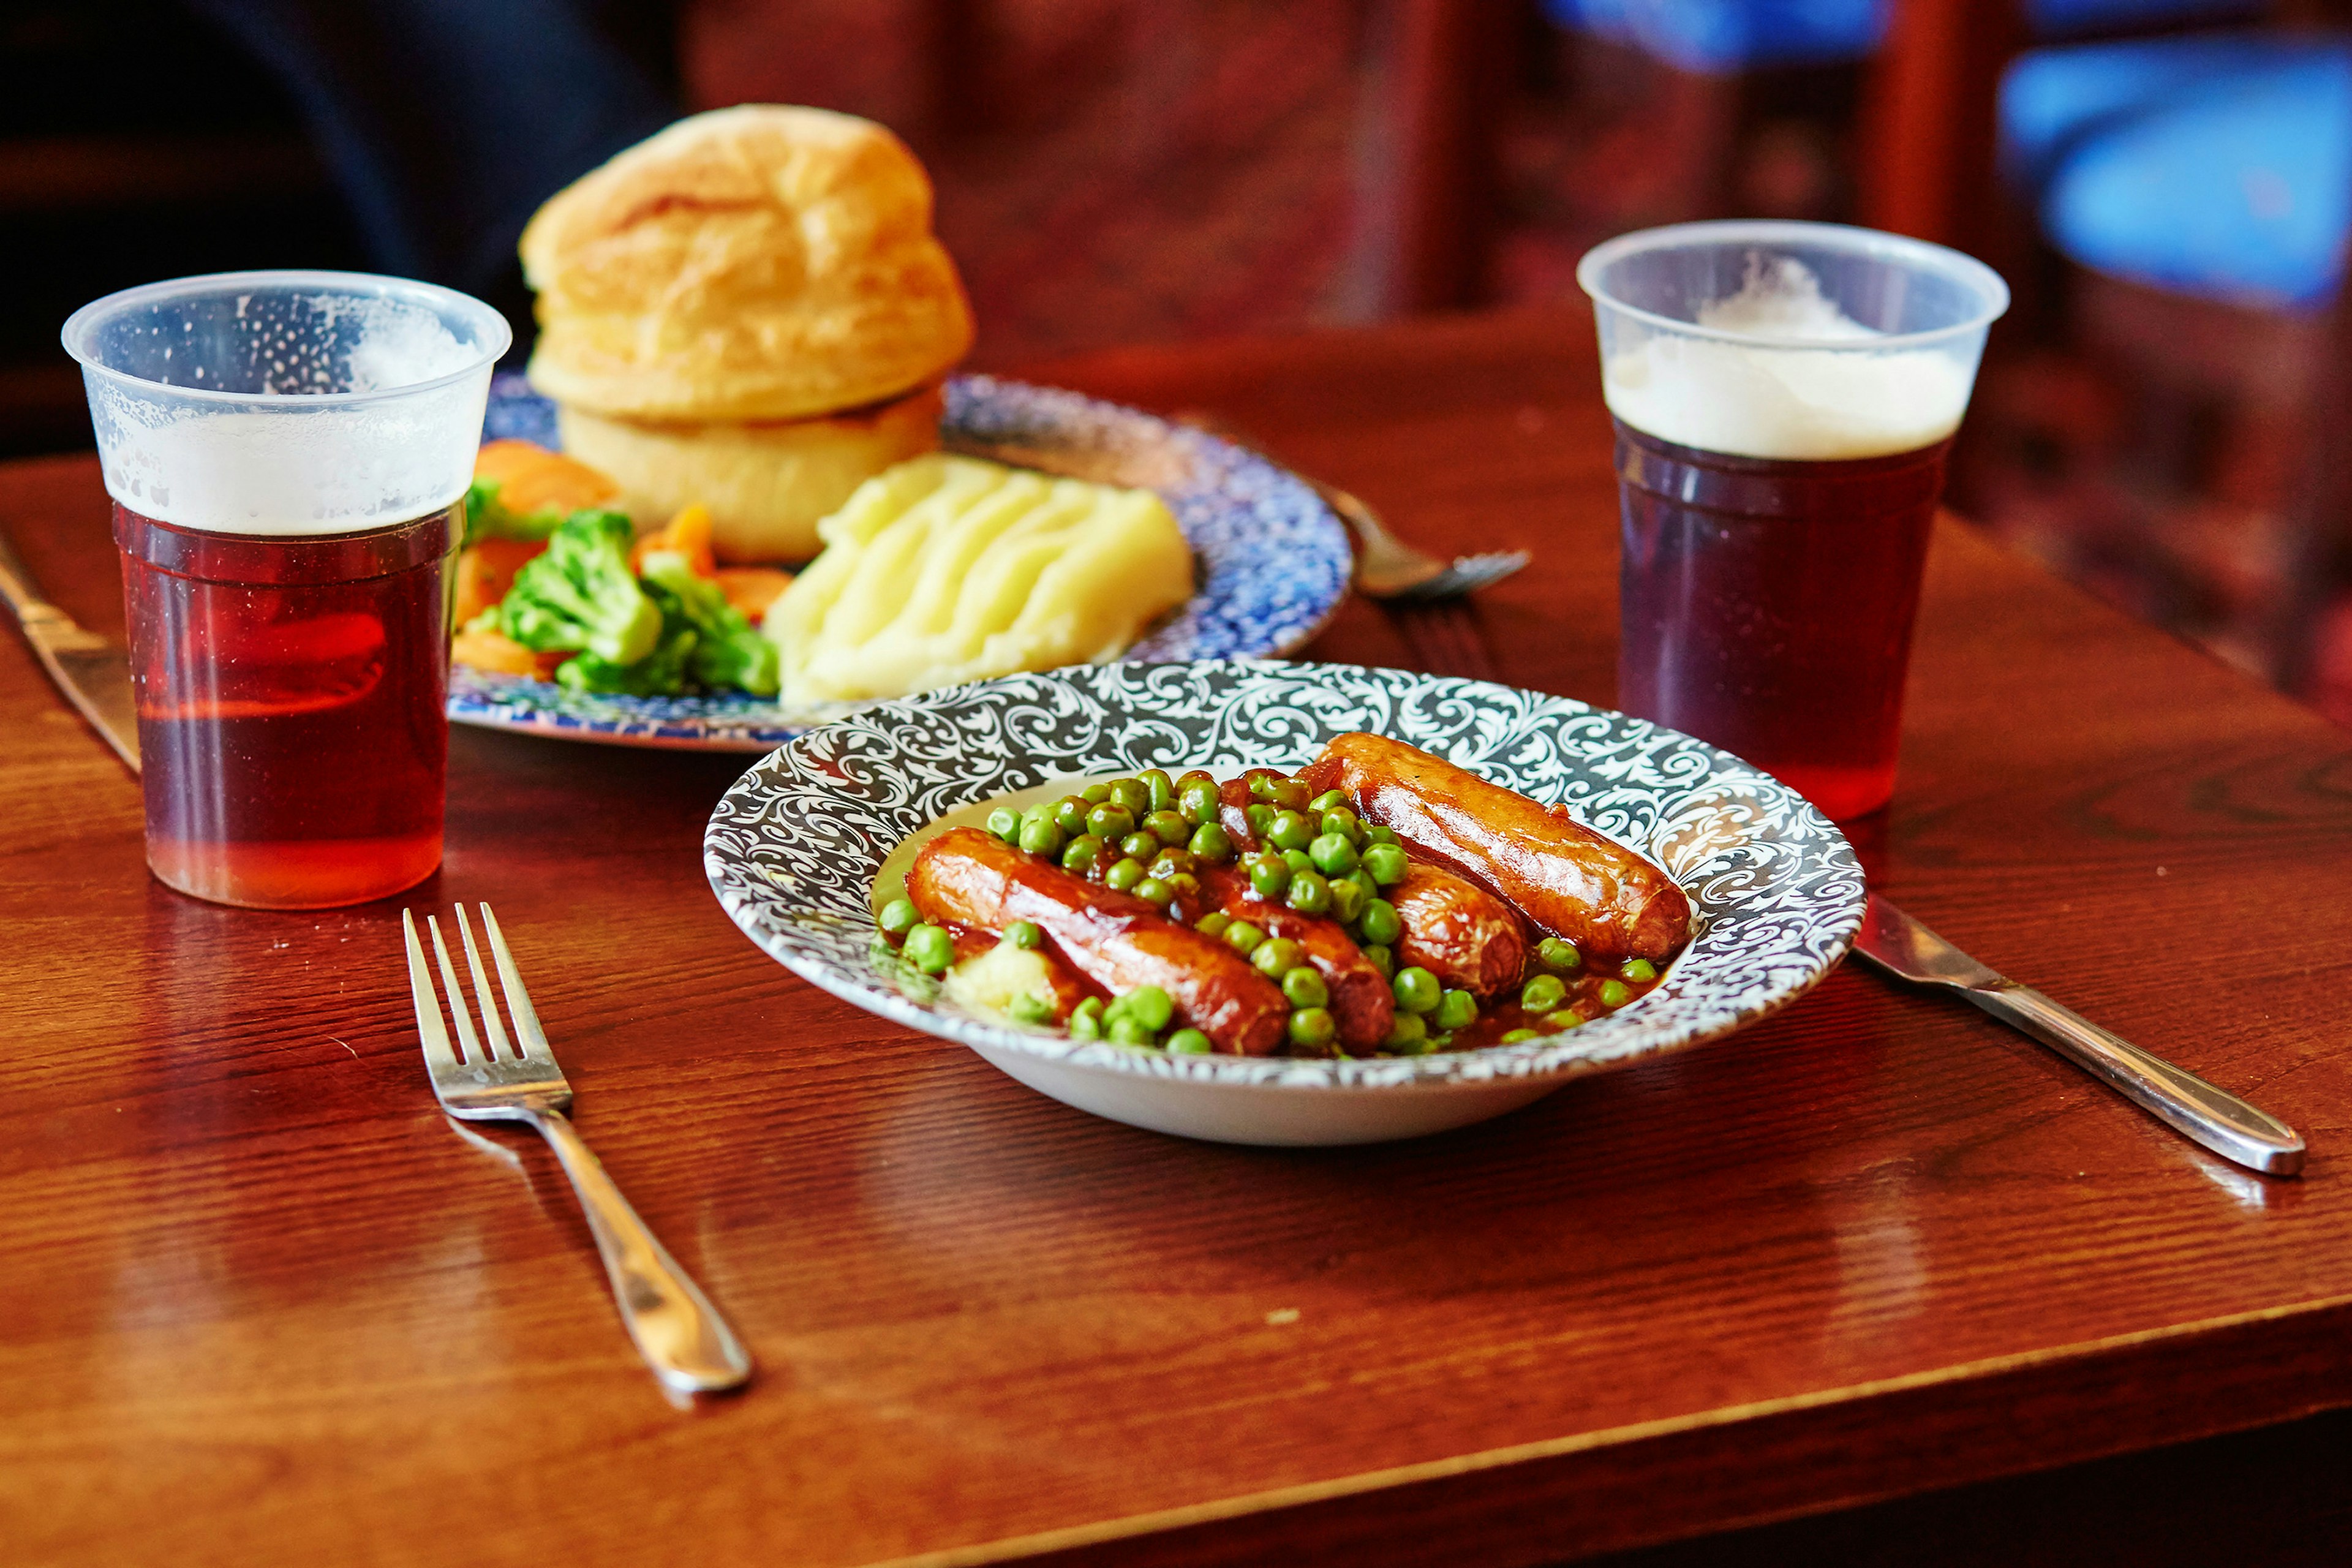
x=1542 y=993
x=1111 y=821
x=1456 y=1010
x=1328 y=800
x=1332 y=854
x=1195 y=776
x=1210 y=843
x=1379 y=956
x=1513 y=1037
x=1342 y=821
x=1130 y=1030
x=1379 y=922
x=1140 y=846
x=1005 y=822
x=898 y=917
x=1024 y=935
x=1276 y=957
x=1040 y=837
x=1070 y=814
x=1151 y=1005
x=1372 y=889
x=1313 y=1029
x=1269 y=877
x=1554 y=953
x=1198 y=799
x=1261 y=785
x=1155 y=890
x=1406 y=1032
x=1132 y=794
x=1216 y=923
x=930 y=949
x=1613 y=994
x=1094 y=794
x=1031 y=1008
x=1290 y=831
x=1168 y=828
x=1305 y=988
x=1087 y=1019
x=1298 y=860
x=1385 y=864
x=1309 y=893
x=1168 y=863
x=1124 y=875
x=1162 y=788
x=1416 y=990
x=1082 y=854
x=1566 y=1019
x=1347 y=900
x=1260 y=818
x=1189 y=1043
x=1378 y=835
x=1426 y=1046
x=1290 y=794
x=1244 y=938
x=1640 y=970
x=1184 y=885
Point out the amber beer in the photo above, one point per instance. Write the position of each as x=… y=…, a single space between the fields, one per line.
x=288 y=454
x=1767 y=605
x=1784 y=396
x=290 y=697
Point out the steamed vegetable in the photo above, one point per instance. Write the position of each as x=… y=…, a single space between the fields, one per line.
x=581 y=596
x=728 y=649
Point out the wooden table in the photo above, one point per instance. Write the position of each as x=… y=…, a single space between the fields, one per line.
x=260 y=1305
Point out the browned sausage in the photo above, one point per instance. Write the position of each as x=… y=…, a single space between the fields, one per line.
x=966 y=877
x=1457 y=931
x=1361 y=1003
x=1562 y=875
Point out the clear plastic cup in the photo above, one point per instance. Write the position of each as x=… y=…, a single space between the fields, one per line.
x=288 y=453
x=1784 y=396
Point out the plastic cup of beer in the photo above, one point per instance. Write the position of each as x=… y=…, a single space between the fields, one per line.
x=1784 y=396
x=288 y=453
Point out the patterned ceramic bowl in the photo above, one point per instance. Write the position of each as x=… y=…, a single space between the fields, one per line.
x=1273 y=561
x=794 y=850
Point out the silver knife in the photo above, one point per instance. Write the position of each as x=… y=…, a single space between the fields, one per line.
x=93 y=673
x=2181 y=1101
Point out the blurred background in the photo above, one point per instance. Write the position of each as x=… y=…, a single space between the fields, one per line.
x=2166 y=417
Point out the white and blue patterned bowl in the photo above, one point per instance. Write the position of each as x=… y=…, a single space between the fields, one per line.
x=1273 y=561
x=794 y=847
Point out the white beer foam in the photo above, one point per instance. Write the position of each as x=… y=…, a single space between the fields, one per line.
x=287 y=471
x=1805 y=405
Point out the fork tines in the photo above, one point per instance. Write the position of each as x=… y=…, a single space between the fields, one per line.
x=493 y=1044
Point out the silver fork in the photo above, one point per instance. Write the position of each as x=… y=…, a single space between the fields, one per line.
x=679 y=1333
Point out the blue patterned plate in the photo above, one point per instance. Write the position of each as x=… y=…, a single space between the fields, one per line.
x=794 y=847
x=1273 y=563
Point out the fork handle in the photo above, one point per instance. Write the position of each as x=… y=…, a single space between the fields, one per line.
x=2202 y=1112
x=676 y=1329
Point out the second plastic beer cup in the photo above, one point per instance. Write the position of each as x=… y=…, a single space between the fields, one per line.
x=288 y=453
x=1784 y=396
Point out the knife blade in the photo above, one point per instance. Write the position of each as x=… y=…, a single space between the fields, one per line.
x=93 y=673
x=2213 y=1117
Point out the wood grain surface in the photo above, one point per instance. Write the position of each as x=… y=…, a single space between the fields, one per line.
x=261 y=1305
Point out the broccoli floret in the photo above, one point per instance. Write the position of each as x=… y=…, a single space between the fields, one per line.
x=580 y=595
x=487 y=517
x=729 y=650
x=661 y=673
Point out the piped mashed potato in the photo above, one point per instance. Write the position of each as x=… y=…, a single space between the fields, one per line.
x=1844 y=399
x=946 y=569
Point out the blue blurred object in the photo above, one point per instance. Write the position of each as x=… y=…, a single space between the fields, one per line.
x=2218 y=166
x=1717 y=37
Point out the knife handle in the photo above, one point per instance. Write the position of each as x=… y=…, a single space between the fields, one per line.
x=2183 y=1101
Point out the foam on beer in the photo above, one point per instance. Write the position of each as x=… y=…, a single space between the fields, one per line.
x=287 y=469
x=1798 y=403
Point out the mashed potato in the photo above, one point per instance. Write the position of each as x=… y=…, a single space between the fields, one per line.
x=948 y=569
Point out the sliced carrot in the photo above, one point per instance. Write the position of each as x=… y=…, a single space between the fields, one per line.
x=531 y=478
x=751 y=589
x=483 y=648
x=687 y=533
x=486 y=569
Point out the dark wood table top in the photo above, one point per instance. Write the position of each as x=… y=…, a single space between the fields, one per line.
x=260 y=1305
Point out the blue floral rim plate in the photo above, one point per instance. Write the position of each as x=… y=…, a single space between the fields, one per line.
x=793 y=849
x=1272 y=561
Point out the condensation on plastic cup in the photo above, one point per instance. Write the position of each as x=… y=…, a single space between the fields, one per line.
x=282 y=403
